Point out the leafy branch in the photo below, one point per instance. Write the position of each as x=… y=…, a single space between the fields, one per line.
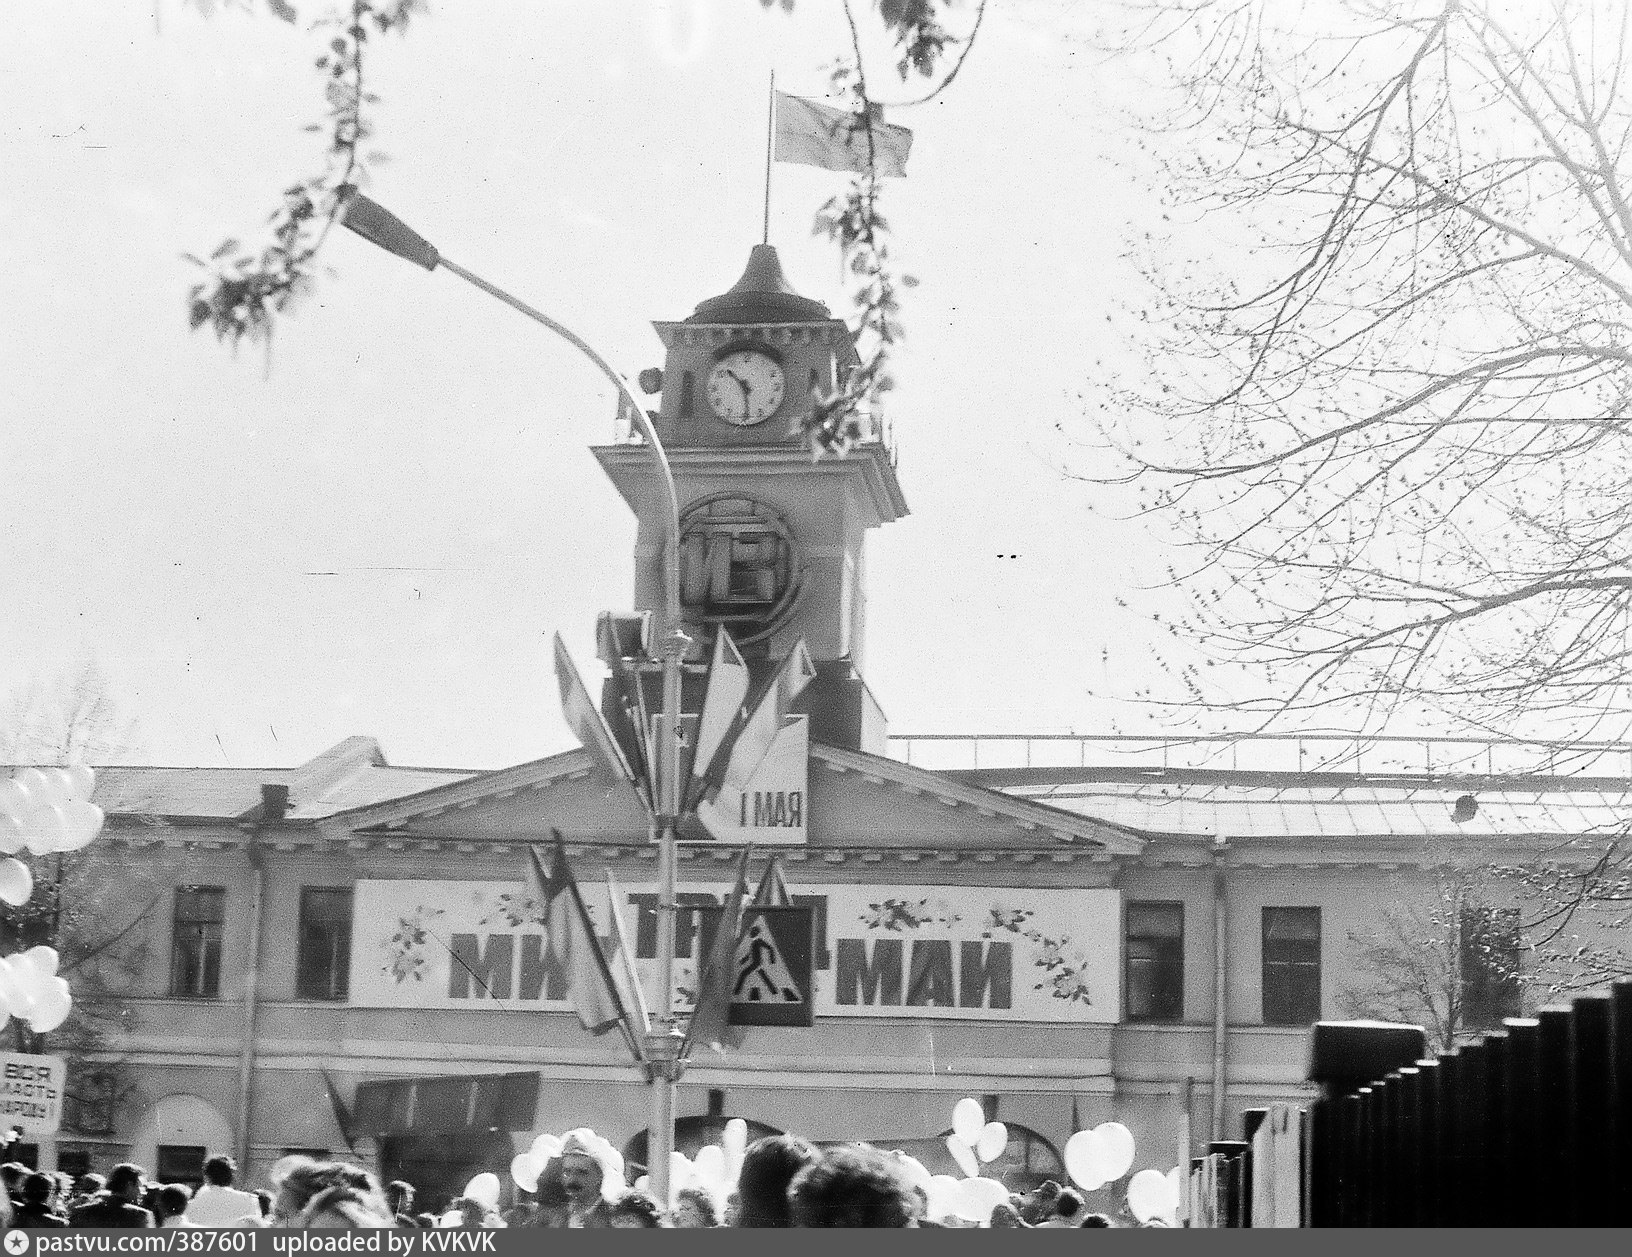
x=248 y=286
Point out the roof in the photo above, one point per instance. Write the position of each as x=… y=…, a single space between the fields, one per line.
x=353 y=773
x=1199 y=803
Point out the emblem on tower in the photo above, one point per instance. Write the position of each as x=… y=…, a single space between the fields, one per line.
x=739 y=565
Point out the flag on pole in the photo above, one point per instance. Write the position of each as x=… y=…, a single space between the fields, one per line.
x=622 y=962
x=738 y=757
x=772 y=891
x=711 y=1015
x=812 y=134
x=570 y=937
x=342 y=1114
x=722 y=703
x=585 y=720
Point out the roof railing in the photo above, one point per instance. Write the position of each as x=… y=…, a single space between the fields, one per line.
x=1266 y=752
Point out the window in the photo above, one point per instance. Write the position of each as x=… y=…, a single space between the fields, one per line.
x=324 y=960
x=87 y=1105
x=195 y=947
x=1155 y=961
x=1291 y=966
x=181 y=1163
x=1488 y=940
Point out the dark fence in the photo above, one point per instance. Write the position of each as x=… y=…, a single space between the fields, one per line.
x=1528 y=1126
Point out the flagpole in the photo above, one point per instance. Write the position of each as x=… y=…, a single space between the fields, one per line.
x=380 y=227
x=770 y=135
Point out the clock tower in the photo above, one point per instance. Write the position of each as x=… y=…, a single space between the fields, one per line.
x=771 y=542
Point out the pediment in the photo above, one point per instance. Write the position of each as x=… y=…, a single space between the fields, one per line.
x=856 y=802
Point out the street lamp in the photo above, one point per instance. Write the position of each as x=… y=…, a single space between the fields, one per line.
x=383 y=228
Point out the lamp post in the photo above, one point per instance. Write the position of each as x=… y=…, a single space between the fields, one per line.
x=381 y=227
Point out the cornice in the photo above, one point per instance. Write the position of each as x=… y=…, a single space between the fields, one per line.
x=869 y=463
x=823 y=332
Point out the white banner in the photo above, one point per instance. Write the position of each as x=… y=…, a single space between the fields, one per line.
x=31 y=1091
x=771 y=811
x=993 y=954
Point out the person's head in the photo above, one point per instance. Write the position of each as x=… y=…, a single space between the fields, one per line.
x=89 y=1185
x=694 y=1208
x=852 y=1186
x=400 y=1196
x=346 y=1207
x=305 y=1180
x=37 y=1190
x=126 y=1181
x=581 y=1172
x=220 y=1171
x=1068 y=1205
x=636 y=1210
x=173 y=1200
x=768 y=1166
x=1005 y=1217
x=1096 y=1220
x=13 y=1173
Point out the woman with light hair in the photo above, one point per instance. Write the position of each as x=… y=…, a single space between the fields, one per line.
x=329 y=1194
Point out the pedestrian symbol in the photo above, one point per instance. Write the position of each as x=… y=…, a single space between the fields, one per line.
x=761 y=975
x=771 y=978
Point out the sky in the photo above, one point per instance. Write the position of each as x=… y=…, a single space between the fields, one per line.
x=375 y=526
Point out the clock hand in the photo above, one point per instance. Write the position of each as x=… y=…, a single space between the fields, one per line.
x=747 y=391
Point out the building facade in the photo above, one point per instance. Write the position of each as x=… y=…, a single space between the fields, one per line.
x=341 y=957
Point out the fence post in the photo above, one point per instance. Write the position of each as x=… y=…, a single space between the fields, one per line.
x=1593 y=1104
x=1621 y=1038
x=1431 y=1186
x=1519 y=1183
x=1473 y=1129
x=1554 y=1148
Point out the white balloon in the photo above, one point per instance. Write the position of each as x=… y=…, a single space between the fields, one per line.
x=16 y=882
x=1148 y=1195
x=994 y=1138
x=58 y=787
x=968 y=1120
x=545 y=1147
x=12 y=834
x=45 y=829
x=1176 y=1185
x=33 y=783
x=82 y=822
x=15 y=801
x=51 y=1007
x=913 y=1168
x=1117 y=1142
x=1083 y=1153
x=709 y=1167
x=524 y=1169
x=964 y=1155
x=484 y=1189
x=943 y=1195
x=680 y=1171
x=15 y=998
x=82 y=781
x=977 y=1197
x=43 y=959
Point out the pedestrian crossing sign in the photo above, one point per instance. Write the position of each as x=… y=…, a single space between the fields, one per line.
x=772 y=976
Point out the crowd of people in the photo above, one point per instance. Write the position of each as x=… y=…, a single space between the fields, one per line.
x=784 y=1181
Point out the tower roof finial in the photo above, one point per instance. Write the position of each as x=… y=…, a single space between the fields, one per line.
x=762 y=295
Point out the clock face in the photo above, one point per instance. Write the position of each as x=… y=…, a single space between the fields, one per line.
x=745 y=387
